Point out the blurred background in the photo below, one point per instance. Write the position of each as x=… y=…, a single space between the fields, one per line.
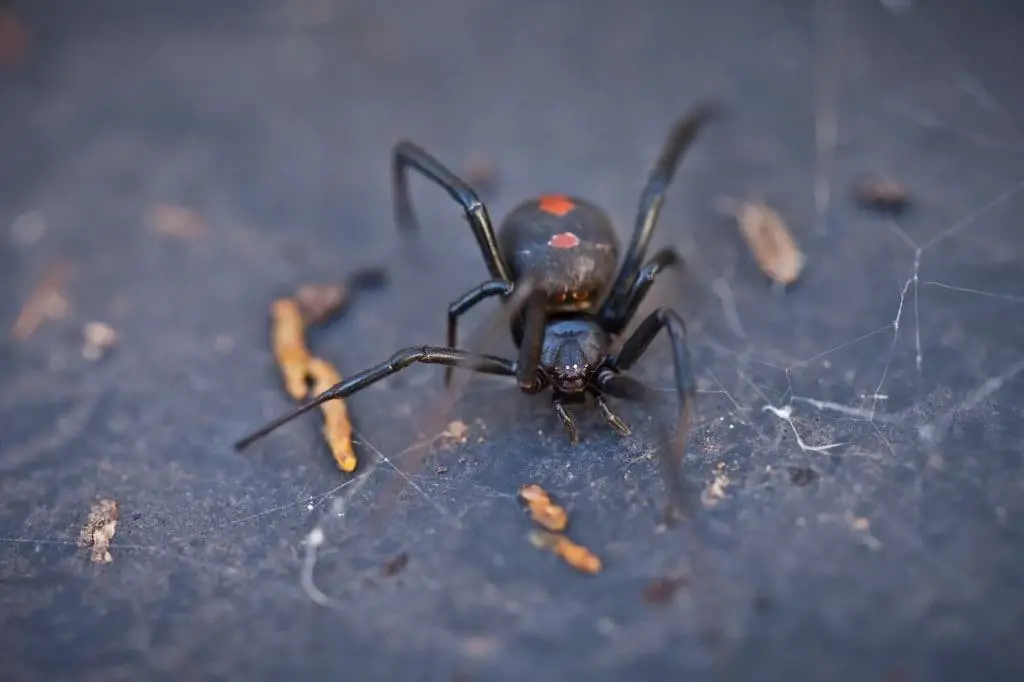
x=169 y=169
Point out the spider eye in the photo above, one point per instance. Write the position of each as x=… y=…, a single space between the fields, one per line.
x=580 y=295
x=560 y=297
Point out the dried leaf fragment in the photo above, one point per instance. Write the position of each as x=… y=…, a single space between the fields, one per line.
x=175 y=221
x=337 y=426
x=47 y=301
x=99 y=529
x=99 y=338
x=289 y=345
x=542 y=509
x=768 y=239
x=577 y=556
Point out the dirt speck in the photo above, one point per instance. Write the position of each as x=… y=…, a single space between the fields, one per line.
x=456 y=432
x=802 y=476
x=99 y=530
x=662 y=590
x=175 y=221
x=395 y=565
x=318 y=302
x=715 y=492
x=99 y=338
x=481 y=174
x=882 y=195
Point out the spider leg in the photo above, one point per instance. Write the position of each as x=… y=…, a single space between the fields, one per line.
x=679 y=139
x=619 y=313
x=407 y=155
x=686 y=384
x=534 y=315
x=568 y=423
x=433 y=355
x=461 y=305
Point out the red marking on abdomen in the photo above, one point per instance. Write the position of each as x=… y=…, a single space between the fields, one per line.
x=556 y=204
x=565 y=240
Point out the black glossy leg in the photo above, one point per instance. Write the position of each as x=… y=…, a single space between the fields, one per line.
x=407 y=155
x=686 y=384
x=568 y=423
x=533 y=338
x=621 y=386
x=461 y=305
x=620 y=312
x=679 y=139
x=433 y=355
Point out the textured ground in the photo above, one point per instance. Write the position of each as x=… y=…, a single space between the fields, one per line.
x=897 y=558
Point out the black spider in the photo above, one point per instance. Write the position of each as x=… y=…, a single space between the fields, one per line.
x=564 y=252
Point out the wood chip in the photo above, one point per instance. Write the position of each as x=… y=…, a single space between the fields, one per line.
x=882 y=195
x=175 y=221
x=289 y=346
x=99 y=338
x=577 y=556
x=542 y=509
x=337 y=427
x=768 y=239
x=47 y=301
x=99 y=530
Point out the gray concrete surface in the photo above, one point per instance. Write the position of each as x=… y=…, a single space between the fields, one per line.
x=900 y=560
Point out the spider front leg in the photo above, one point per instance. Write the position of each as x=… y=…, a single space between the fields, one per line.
x=682 y=135
x=431 y=355
x=462 y=305
x=616 y=314
x=407 y=155
x=686 y=384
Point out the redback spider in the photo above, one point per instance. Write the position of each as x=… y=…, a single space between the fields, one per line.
x=566 y=248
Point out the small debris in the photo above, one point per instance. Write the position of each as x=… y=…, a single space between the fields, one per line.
x=716 y=491
x=47 y=301
x=542 y=509
x=28 y=228
x=14 y=39
x=395 y=565
x=577 y=556
x=175 y=221
x=768 y=239
x=663 y=589
x=99 y=530
x=318 y=302
x=288 y=340
x=337 y=426
x=882 y=195
x=456 y=432
x=441 y=469
x=860 y=523
x=802 y=476
x=99 y=338
x=481 y=174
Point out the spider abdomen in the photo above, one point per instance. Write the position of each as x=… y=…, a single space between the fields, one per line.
x=567 y=244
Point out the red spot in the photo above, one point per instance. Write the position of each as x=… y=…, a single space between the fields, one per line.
x=556 y=204
x=565 y=240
